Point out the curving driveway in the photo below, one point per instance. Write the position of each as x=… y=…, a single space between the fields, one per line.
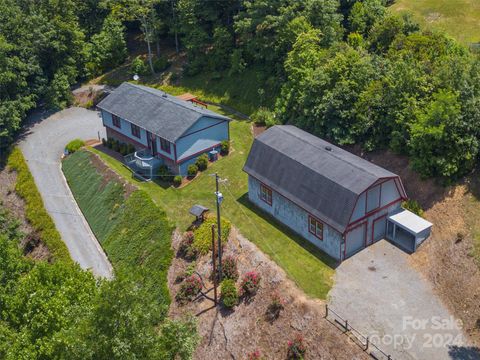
x=42 y=145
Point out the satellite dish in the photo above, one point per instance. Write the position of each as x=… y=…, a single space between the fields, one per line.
x=136 y=77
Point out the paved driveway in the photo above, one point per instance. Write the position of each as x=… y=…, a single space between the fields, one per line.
x=43 y=146
x=383 y=297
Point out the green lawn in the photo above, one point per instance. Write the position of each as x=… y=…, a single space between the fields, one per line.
x=308 y=267
x=459 y=18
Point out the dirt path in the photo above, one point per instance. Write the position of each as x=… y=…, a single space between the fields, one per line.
x=233 y=335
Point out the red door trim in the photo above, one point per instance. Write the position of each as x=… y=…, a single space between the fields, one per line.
x=365 y=223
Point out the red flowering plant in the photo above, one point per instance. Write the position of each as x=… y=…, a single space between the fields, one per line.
x=229 y=269
x=186 y=249
x=256 y=355
x=250 y=283
x=189 y=289
x=296 y=348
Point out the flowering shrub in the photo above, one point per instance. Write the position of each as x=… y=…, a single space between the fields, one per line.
x=229 y=268
x=186 y=248
x=274 y=308
x=296 y=348
x=229 y=294
x=250 y=283
x=189 y=289
x=256 y=355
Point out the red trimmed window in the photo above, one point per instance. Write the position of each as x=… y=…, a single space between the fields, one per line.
x=266 y=194
x=165 y=145
x=315 y=227
x=116 y=121
x=135 y=131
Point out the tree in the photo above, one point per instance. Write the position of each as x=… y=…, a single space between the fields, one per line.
x=441 y=142
x=143 y=11
x=108 y=48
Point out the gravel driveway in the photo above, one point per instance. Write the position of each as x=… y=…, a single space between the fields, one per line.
x=42 y=145
x=383 y=297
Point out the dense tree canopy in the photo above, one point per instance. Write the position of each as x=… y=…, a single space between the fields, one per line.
x=348 y=70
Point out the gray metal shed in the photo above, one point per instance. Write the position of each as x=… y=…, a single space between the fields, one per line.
x=407 y=230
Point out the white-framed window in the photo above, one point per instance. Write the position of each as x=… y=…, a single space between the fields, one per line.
x=315 y=227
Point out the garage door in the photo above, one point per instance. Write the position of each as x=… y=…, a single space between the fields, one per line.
x=379 y=227
x=355 y=240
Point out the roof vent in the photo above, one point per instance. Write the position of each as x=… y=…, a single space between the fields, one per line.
x=328 y=148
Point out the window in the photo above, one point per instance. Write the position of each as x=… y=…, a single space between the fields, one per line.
x=373 y=198
x=315 y=227
x=135 y=131
x=165 y=145
x=116 y=121
x=266 y=194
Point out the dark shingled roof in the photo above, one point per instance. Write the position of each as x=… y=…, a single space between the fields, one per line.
x=318 y=176
x=155 y=111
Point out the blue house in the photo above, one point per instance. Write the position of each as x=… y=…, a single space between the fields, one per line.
x=164 y=129
x=338 y=201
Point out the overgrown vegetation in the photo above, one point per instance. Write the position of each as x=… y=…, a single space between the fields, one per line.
x=228 y=293
x=59 y=311
x=34 y=208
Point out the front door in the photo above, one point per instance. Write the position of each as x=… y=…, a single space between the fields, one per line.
x=152 y=143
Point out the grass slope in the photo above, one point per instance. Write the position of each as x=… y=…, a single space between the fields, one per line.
x=305 y=264
x=134 y=232
x=458 y=18
x=34 y=208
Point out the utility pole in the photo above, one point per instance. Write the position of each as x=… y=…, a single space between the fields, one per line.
x=219 y=198
x=214 y=266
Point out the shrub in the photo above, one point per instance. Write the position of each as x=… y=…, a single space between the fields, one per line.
x=104 y=142
x=160 y=64
x=413 y=206
x=189 y=271
x=192 y=170
x=250 y=283
x=123 y=149
x=275 y=307
x=202 y=162
x=186 y=248
x=203 y=234
x=138 y=67
x=130 y=148
x=296 y=348
x=164 y=174
x=110 y=142
x=229 y=268
x=261 y=116
x=116 y=145
x=256 y=355
x=189 y=289
x=177 y=180
x=225 y=147
x=34 y=209
x=228 y=293
x=74 y=145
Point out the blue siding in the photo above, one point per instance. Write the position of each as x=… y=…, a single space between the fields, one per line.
x=296 y=219
x=170 y=155
x=389 y=194
x=125 y=128
x=195 y=139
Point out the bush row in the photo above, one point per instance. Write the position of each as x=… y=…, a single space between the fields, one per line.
x=115 y=145
x=34 y=208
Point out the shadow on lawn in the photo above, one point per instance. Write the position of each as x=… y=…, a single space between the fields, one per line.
x=312 y=249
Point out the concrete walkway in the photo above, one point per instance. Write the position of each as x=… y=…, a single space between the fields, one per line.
x=383 y=297
x=43 y=145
